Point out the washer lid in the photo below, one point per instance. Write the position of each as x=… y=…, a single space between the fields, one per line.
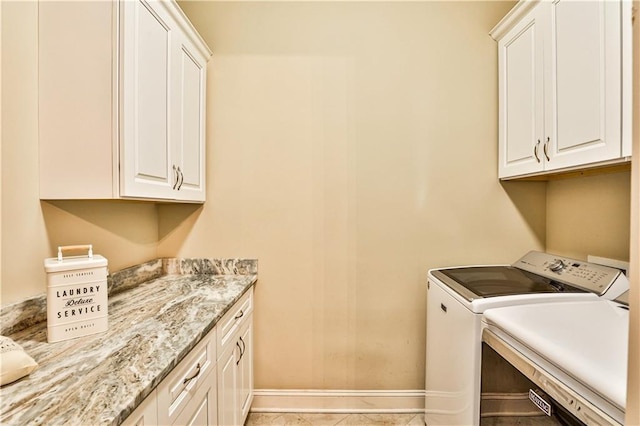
x=476 y=282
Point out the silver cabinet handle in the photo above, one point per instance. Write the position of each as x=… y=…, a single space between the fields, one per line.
x=177 y=177
x=181 y=178
x=240 y=357
x=242 y=349
x=535 y=151
x=188 y=379
x=546 y=149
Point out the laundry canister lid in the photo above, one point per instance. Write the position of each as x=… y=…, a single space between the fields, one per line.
x=70 y=263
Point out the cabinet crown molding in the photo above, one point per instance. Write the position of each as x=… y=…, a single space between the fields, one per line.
x=512 y=17
x=187 y=27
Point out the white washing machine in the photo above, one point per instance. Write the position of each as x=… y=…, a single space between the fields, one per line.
x=456 y=299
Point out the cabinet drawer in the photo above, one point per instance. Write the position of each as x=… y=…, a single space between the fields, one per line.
x=178 y=388
x=202 y=409
x=231 y=321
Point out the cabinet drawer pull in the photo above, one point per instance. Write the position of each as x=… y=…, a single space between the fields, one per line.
x=535 y=151
x=443 y=307
x=240 y=315
x=240 y=357
x=244 y=347
x=546 y=149
x=188 y=379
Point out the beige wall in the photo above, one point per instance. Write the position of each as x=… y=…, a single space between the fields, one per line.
x=24 y=240
x=125 y=233
x=589 y=215
x=352 y=146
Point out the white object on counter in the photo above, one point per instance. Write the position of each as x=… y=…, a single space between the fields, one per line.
x=76 y=294
x=15 y=363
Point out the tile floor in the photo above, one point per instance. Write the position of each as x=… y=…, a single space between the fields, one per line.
x=317 y=419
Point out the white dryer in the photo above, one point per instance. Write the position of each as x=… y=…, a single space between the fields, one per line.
x=576 y=352
x=456 y=299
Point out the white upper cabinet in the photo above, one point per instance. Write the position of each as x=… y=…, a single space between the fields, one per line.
x=189 y=103
x=122 y=98
x=521 y=94
x=146 y=51
x=563 y=80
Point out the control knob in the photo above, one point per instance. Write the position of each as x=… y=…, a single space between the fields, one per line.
x=557 y=265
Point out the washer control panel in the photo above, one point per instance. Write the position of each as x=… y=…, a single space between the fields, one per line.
x=577 y=273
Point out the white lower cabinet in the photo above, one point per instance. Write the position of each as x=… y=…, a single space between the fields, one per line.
x=202 y=409
x=146 y=414
x=245 y=368
x=227 y=395
x=188 y=393
x=235 y=363
x=213 y=384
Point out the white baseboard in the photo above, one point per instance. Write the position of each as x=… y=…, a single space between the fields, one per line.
x=337 y=401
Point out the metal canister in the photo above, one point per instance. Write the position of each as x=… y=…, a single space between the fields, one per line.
x=76 y=294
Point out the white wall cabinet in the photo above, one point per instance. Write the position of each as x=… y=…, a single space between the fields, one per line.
x=121 y=101
x=235 y=364
x=564 y=86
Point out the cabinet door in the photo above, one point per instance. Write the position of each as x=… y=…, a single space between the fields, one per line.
x=521 y=96
x=188 y=121
x=146 y=48
x=202 y=408
x=227 y=386
x=584 y=83
x=245 y=369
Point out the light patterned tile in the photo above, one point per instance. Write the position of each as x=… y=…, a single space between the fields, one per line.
x=290 y=419
x=259 y=419
x=355 y=420
x=324 y=419
x=418 y=419
x=330 y=419
x=390 y=419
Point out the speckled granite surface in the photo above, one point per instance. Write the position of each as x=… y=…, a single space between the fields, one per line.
x=101 y=379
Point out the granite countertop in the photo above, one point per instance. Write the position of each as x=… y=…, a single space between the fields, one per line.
x=157 y=313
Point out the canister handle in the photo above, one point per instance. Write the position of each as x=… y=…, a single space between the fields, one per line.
x=88 y=247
